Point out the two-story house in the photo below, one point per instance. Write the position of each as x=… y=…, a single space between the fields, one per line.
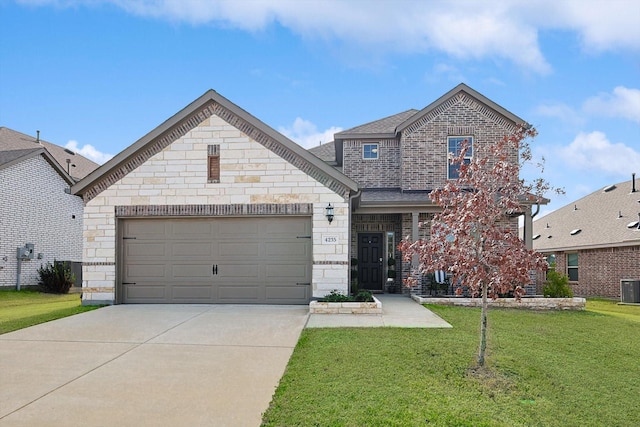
x=214 y=206
x=397 y=161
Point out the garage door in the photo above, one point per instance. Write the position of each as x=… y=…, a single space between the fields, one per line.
x=264 y=260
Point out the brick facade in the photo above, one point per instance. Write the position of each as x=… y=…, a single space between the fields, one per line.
x=36 y=209
x=600 y=270
x=424 y=144
x=250 y=175
x=373 y=173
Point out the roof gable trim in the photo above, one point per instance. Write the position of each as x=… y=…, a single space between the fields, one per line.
x=189 y=118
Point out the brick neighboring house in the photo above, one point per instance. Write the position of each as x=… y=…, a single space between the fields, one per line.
x=397 y=161
x=36 y=206
x=214 y=206
x=595 y=240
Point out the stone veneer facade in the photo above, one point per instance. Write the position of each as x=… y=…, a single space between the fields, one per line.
x=254 y=181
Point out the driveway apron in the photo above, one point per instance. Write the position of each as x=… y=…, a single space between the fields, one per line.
x=148 y=365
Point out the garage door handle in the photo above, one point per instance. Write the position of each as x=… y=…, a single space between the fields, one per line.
x=303 y=284
x=214 y=269
x=128 y=283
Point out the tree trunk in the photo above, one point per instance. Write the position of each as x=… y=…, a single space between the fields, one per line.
x=483 y=325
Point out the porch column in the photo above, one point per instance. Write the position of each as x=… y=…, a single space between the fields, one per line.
x=415 y=216
x=528 y=227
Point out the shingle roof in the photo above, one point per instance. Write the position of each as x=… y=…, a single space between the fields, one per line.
x=325 y=152
x=11 y=140
x=386 y=125
x=600 y=219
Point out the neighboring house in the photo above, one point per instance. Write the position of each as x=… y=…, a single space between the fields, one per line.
x=595 y=240
x=397 y=161
x=214 y=206
x=36 y=207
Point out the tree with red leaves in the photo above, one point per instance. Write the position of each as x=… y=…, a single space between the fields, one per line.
x=475 y=237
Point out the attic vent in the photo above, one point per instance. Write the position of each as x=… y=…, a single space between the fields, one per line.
x=633 y=224
x=576 y=231
x=536 y=237
x=69 y=151
x=609 y=188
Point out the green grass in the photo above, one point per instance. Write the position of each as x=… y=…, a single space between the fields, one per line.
x=543 y=369
x=20 y=309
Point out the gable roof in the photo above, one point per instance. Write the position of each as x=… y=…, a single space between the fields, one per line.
x=211 y=103
x=455 y=94
x=602 y=218
x=79 y=166
x=407 y=121
x=9 y=158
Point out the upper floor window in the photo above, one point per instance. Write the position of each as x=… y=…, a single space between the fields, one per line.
x=370 y=151
x=454 y=147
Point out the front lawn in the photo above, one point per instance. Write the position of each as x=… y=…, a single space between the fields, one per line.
x=543 y=369
x=20 y=309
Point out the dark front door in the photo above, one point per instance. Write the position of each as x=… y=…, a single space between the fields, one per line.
x=370 y=261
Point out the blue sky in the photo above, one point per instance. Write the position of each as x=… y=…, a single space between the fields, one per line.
x=96 y=75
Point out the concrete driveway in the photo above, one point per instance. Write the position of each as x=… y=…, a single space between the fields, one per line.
x=148 y=365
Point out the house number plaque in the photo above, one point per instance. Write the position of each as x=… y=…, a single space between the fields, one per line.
x=329 y=239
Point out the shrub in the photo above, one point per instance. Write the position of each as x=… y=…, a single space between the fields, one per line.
x=336 y=296
x=364 y=296
x=55 y=278
x=557 y=286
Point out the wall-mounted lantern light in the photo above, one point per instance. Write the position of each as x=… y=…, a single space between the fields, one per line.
x=329 y=213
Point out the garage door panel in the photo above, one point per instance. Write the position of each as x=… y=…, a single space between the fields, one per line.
x=232 y=228
x=191 y=249
x=282 y=294
x=237 y=271
x=138 y=271
x=144 y=228
x=145 y=249
x=146 y=293
x=288 y=271
x=191 y=271
x=294 y=228
x=235 y=250
x=258 y=260
x=287 y=250
x=191 y=293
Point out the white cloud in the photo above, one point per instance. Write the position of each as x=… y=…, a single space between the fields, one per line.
x=623 y=102
x=459 y=28
x=593 y=152
x=88 y=151
x=306 y=133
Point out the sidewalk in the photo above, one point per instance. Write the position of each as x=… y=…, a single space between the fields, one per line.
x=397 y=311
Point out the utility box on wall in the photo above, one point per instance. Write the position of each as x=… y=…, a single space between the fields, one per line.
x=26 y=252
x=630 y=291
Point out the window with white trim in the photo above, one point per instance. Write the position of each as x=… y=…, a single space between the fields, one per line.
x=454 y=148
x=370 y=151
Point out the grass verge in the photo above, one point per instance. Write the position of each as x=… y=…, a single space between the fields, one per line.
x=543 y=369
x=20 y=309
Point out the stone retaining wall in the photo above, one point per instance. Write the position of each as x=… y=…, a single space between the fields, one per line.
x=317 y=307
x=529 y=303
